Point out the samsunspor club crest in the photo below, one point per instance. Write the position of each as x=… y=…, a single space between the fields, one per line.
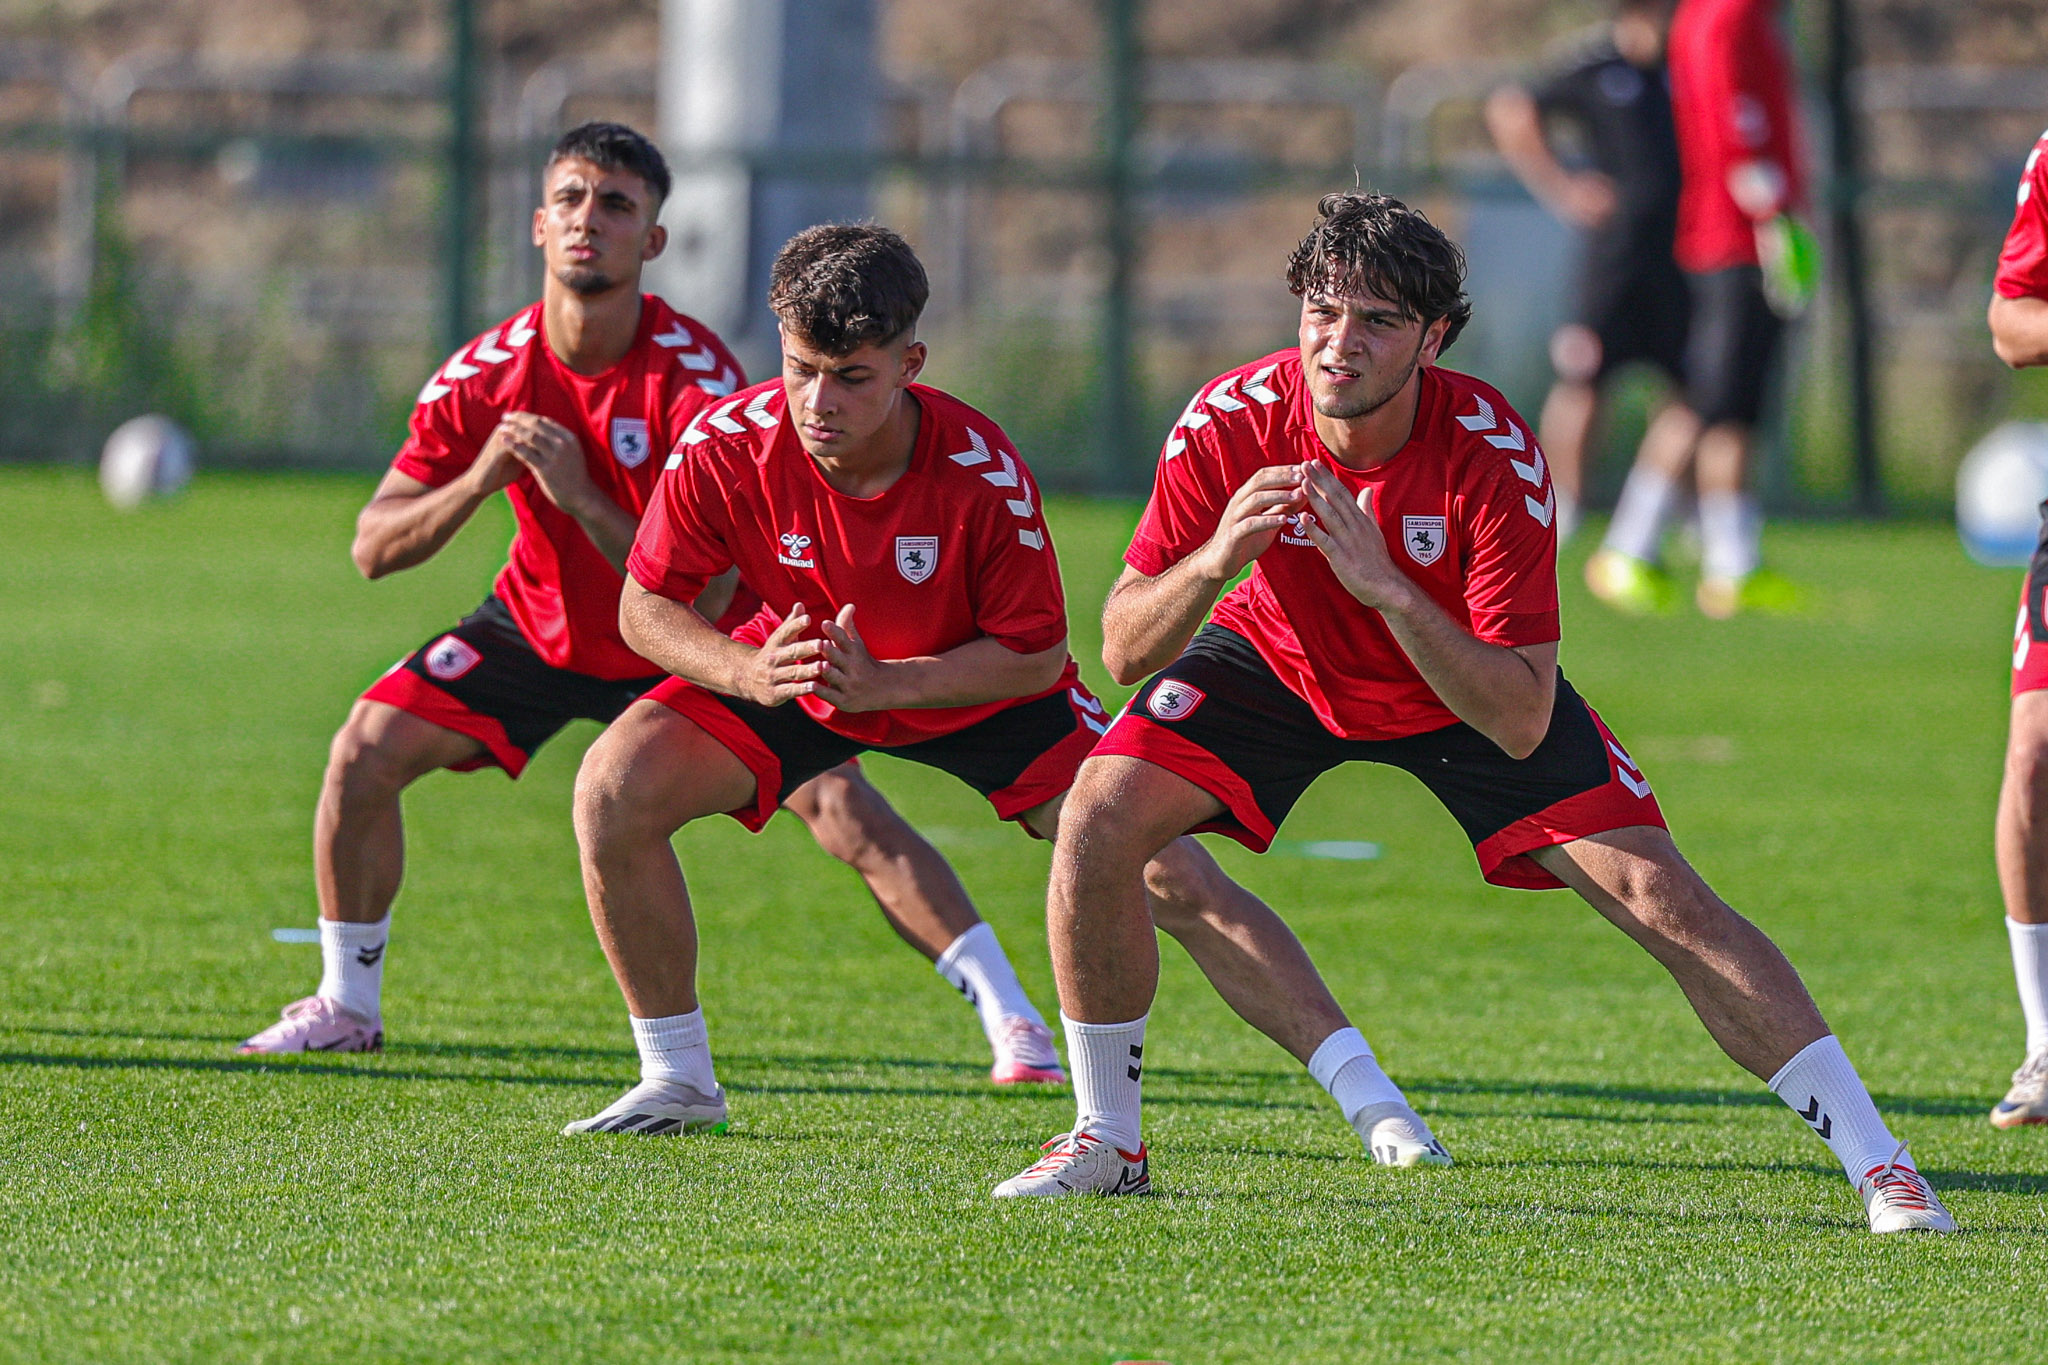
x=917 y=557
x=1423 y=537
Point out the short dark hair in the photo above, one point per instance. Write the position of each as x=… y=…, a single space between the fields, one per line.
x=615 y=147
x=1376 y=244
x=842 y=286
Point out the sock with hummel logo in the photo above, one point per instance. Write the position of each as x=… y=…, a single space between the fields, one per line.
x=1824 y=1090
x=352 y=964
x=1108 y=1064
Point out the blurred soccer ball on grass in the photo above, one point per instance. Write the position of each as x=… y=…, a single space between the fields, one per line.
x=1999 y=490
x=146 y=457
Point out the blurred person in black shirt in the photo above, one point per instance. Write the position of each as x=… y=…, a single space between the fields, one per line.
x=1632 y=303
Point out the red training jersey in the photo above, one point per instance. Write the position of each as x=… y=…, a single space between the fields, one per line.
x=954 y=550
x=2023 y=263
x=557 y=584
x=1732 y=99
x=1466 y=507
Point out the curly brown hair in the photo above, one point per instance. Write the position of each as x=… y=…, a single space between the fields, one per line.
x=1375 y=244
x=841 y=286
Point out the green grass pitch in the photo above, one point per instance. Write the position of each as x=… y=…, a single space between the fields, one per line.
x=168 y=682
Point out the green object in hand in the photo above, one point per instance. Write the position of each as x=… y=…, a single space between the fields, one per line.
x=1790 y=256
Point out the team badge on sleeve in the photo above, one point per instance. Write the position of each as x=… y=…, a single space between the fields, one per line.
x=1175 y=700
x=917 y=557
x=450 y=657
x=630 y=442
x=1423 y=538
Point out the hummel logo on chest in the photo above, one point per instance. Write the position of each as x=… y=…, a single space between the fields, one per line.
x=795 y=549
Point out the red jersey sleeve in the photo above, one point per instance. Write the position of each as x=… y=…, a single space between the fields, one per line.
x=446 y=435
x=1189 y=492
x=1018 y=599
x=681 y=545
x=2023 y=263
x=1511 y=562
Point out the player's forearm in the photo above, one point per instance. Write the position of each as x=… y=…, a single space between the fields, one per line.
x=675 y=638
x=1517 y=130
x=2019 y=330
x=979 y=671
x=1147 y=622
x=394 y=533
x=611 y=528
x=1492 y=688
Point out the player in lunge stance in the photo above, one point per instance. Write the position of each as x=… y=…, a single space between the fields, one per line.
x=567 y=407
x=1403 y=610
x=2019 y=333
x=913 y=604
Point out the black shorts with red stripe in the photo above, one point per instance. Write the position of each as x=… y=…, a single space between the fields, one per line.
x=1218 y=717
x=1019 y=758
x=2030 y=632
x=483 y=679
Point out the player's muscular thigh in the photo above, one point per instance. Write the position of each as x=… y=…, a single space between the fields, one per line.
x=655 y=769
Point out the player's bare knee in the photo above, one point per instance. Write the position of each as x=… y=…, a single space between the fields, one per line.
x=601 y=807
x=1180 y=887
x=364 y=764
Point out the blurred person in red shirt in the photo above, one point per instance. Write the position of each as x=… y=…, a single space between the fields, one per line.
x=1750 y=264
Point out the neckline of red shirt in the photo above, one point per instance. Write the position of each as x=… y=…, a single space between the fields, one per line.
x=920 y=449
x=1302 y=418
x=642 y=329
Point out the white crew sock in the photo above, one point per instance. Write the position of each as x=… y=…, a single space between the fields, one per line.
x=1731 y=535
x=978 y=969
x=1646 y=503
x=674 y=1048
x=1824 y=1089
x=1108 y=1062
x=352 y=964
x=1344 y=1066
x=2030 y=970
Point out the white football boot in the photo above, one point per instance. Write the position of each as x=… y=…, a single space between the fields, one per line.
x=1899 y=1199
x=2027 y=1101
x=1080 y=1163
x=658 y=1109
x=1396 y=1136
x=1024 y=1055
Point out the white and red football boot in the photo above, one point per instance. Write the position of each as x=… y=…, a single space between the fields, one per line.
x=1081 y=1163
x=1899 y=1199
x=317 y=1024
x=1024 y=1055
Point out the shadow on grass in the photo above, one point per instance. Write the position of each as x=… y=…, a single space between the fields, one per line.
x=1891 y=1104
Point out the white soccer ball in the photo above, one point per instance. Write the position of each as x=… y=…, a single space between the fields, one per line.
x=1999 y=490
x=146 y=457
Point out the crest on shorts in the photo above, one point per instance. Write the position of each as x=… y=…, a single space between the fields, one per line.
x=917 y=557
x=1424 y=538
x=629 y=441
x=448 y=658
x=1175 y=700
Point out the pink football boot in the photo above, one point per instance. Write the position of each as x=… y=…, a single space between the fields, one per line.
x=1024 y=1055
x=317 y=1024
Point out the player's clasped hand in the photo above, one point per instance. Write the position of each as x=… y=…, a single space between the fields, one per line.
x=524 y=441
x=1349 y=536
x=784 y=667
x=1254 y=515
x=854 y=680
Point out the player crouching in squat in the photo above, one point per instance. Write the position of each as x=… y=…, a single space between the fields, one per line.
x=1439 y=656
x=563 y=407
x=848 y=482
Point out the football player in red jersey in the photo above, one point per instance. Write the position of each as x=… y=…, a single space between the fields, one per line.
x=1403 y=610
x=911 y=603
x=566 y=406
x=2019 y=334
